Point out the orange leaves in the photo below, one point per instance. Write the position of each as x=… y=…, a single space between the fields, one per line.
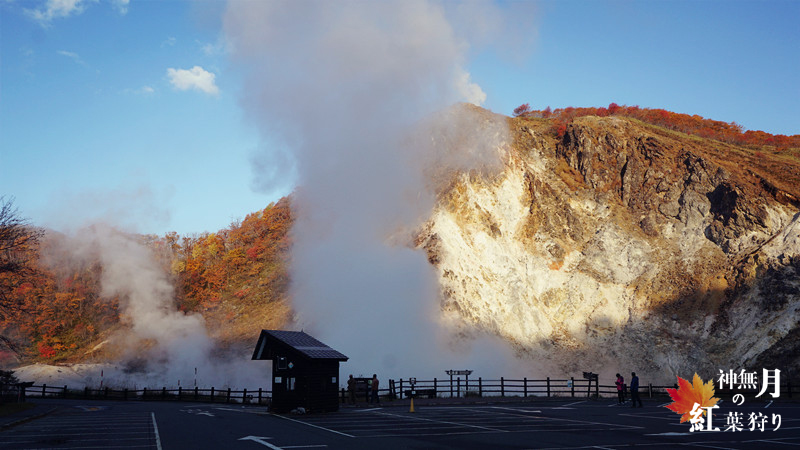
x=253 y=252
x=691 y=124
x=688 y=394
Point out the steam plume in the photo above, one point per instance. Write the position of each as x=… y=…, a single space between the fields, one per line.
x=161 y=344
x=343 y=84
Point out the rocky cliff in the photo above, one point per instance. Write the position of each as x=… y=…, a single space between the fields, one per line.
x=622 y=245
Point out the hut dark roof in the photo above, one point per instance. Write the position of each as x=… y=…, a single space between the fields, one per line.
x=295 y=340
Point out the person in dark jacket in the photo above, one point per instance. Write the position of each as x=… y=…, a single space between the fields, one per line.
x=351 y=389
x=374 y=386
x=635 y=391
x=620 y=388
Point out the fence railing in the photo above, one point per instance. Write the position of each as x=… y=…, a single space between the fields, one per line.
x=227 y=395
x=525 y=387
x=396 y=389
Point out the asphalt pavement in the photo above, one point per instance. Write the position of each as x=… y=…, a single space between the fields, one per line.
x=564 y=424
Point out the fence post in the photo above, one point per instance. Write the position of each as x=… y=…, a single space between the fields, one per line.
x=44 y=390
x=435 y=388
x=401 y=390
x=597 y=389
x=480 y=387
x=195 y=392
x=502 y=388
x=259 y=395
x=458 y=387
x=164 y=392
x=650 y=390
x=244 y=396
x=212 y=394
x=572 y=385
x=106 y=393
x=125 y=394
x=228 y=397
x=525 y=387
x=548 y=386
x=180 y=390
x=144 y=393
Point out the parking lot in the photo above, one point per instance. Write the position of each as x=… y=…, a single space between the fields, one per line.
x=536 y=425
x=85 y=427
x=450 y=420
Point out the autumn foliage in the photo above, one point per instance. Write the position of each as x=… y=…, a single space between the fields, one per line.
x=62 y=311
x=246 y=261
x=731 y=133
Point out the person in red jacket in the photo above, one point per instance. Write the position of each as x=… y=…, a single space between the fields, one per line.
x=620 y=388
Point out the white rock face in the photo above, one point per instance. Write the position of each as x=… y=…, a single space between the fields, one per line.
x=588 y=280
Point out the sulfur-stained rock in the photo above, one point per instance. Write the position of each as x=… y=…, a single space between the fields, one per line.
x=623 y=236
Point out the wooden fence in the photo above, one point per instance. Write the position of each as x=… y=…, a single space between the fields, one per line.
x=212 y=395
x=548 y=387
x=396 y=389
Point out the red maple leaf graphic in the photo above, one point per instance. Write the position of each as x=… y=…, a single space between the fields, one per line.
x=687 y=394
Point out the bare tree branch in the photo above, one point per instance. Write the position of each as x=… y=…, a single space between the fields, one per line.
x=17 y=235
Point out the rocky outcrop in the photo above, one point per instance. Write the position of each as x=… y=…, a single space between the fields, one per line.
x=623 y=245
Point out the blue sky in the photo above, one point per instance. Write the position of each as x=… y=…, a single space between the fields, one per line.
x=130 y=111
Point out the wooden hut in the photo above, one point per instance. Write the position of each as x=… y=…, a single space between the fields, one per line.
x=305 y=372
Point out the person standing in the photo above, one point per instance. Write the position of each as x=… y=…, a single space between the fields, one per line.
x=635 y=391
x=374 y=387
x=620 y=388
x=351 y=389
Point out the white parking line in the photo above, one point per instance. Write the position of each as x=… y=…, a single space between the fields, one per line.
x=443 y=421
x=517 y=410
x=574 y=403
x=776 y=441
x=312 y=425
x=155 y=429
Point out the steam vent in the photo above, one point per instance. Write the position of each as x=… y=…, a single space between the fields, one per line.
x=305 y=372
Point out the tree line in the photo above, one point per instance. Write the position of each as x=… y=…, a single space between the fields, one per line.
x=731 y=133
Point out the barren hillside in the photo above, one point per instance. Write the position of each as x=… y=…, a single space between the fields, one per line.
x=624 y=244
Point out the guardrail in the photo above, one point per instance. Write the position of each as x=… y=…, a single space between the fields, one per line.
x=525 y=387
x=252 y=396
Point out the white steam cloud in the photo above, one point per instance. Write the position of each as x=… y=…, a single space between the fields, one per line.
x=159 y=345
x=349 y=87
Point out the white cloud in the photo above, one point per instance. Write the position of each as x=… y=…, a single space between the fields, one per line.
x=144 y=90
x=73 y=56
x=54 y=9
x=169 y=42
x=220 y=47
x=194 y=78
x=121 y=6
x=470 y=92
